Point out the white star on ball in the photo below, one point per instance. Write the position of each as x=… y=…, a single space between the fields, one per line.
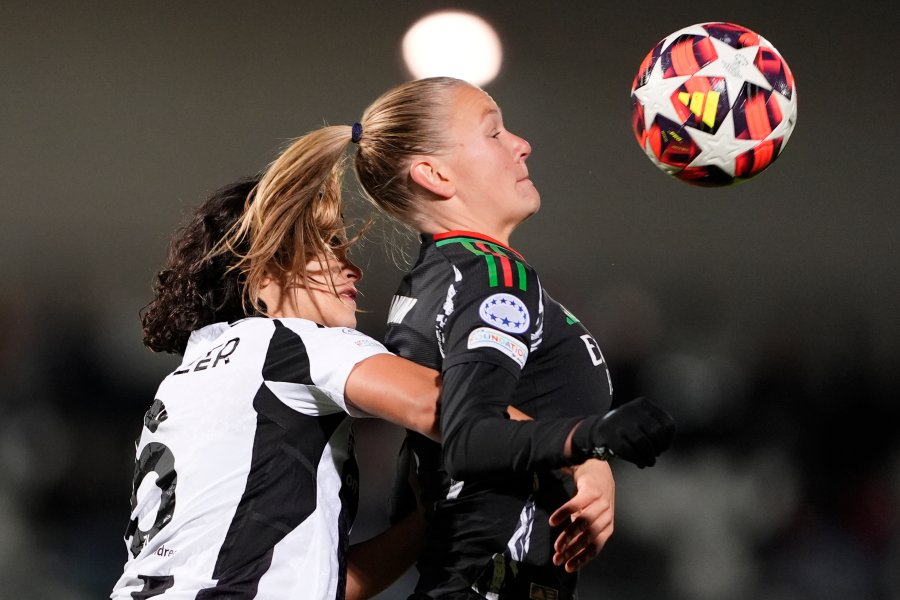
x=721 y=148
x=736 y=67
x=656 y=95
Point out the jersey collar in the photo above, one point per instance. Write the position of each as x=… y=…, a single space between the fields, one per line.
x=459 y=233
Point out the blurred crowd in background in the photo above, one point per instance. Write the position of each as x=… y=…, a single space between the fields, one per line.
x=784 y=482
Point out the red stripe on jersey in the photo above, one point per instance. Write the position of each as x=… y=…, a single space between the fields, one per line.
x=504 y=263
x=471 y=234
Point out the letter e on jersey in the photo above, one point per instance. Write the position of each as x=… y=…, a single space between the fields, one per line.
x=593 y=349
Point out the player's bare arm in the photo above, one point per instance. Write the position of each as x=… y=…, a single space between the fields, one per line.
x=397 y=390
x=374 y=564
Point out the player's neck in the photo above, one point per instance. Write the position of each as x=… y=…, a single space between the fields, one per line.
x=445 y=218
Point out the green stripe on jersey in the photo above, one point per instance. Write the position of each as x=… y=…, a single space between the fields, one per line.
x=520 y=268
x=489 y=259
x=493 y=274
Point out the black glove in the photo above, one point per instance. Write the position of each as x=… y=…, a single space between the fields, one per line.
x=637 y=431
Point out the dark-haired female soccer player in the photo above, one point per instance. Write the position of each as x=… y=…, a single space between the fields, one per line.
x=435 y=155
x=245 y=482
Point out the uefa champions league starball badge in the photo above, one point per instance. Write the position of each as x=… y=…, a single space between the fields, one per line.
x=506 y=312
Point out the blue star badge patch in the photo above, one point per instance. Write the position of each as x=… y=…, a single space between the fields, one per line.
x=506 y=312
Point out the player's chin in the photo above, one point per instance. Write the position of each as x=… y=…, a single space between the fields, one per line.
x=531 y=203
x=533 y=210
x=344 y=318
x=350 y=321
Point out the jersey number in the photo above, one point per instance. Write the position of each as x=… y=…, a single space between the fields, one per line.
x=156 y=460
x=153 y=586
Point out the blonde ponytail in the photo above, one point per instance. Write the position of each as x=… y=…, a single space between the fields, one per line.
x=294 y=214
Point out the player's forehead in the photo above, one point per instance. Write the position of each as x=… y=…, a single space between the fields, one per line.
x=473 y=104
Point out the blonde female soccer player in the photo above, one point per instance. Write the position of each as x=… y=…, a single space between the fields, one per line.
x=435 y=155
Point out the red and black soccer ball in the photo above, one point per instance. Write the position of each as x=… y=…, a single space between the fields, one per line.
x=713 y=104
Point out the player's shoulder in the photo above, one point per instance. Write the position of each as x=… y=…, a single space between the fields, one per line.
x=215 y=334
x=280 y=331
x=334 y=337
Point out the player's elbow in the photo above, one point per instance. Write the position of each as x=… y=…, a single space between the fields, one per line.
x=424 y=418
x=462 y=457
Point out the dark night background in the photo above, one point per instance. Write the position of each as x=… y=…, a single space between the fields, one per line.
x=764 y=316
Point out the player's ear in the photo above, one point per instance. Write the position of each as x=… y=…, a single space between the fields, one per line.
x=432 y=175
x=270 y=293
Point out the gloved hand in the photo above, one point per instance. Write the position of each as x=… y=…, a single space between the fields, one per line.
x=637 y=431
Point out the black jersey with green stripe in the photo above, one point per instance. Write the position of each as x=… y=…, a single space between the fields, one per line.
x=471 y=300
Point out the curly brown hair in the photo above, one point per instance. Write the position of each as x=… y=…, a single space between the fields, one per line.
x=198 y=287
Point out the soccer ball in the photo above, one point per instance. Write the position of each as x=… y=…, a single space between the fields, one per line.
x=713 y=104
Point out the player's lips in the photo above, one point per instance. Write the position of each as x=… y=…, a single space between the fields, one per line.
x=528 y=181
x=349 y=294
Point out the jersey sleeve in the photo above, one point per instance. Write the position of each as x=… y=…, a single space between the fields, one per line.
x=479 y=438
x=332 y=353
x=492 y=313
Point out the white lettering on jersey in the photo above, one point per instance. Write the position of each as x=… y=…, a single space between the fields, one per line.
x=506 y=312
x=448 y=302
x=537 y=336
x=400 y=305
x=485 y=337
x=593 y=349
x=596 y=356
x=441 y=318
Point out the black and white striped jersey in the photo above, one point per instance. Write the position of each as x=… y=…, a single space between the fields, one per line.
x=245 y=482
x=471 y=301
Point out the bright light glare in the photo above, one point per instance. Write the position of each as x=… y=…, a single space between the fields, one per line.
x=454 y=44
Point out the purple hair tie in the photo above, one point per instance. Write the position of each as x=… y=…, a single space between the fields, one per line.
x=357 y=133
